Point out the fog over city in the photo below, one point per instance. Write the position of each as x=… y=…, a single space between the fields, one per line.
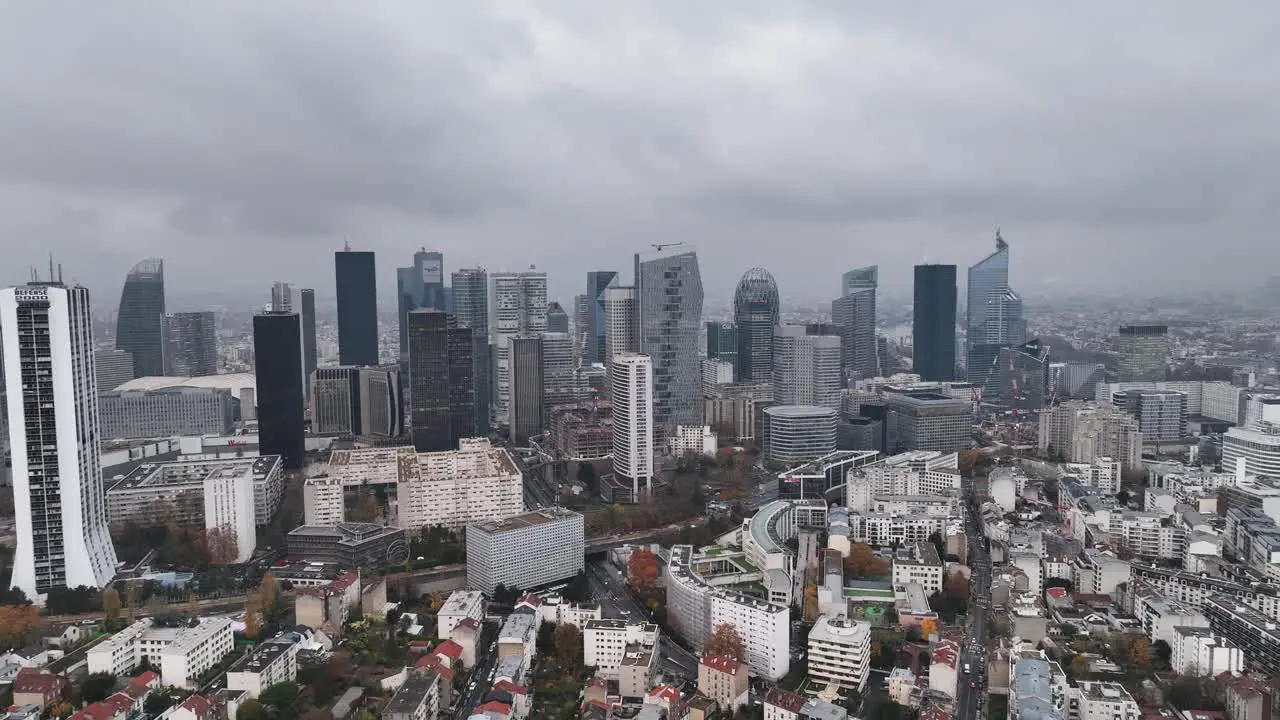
x=243 y=141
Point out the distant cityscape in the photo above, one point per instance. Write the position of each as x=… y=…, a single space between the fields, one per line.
x=638 y=502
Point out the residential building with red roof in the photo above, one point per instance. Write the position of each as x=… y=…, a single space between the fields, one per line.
x=195 y=707
x=36 y=686
x=943 y=671
x=724 y=680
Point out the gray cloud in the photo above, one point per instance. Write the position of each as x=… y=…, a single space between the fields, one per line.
x=243 y=140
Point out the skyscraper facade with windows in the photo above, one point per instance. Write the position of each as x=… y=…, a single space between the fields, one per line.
x=277 y=365
x=806 y=368
x=669 y=322
x=631 y=388
x=139 y=324
x=722 y=342
x=1144 y=353
x=933 y=324
x=994 y=318
x=527 y=388
x=598 y=281
x=356 y=279
x=557 y=318
x=421 y=285
x=441 y=393
x=471 y=308
x=620 y=322
x=517 y=308
x=191 y=344
x=854 y=313
x=756 y=309
x=59 y=501
x=288 y=298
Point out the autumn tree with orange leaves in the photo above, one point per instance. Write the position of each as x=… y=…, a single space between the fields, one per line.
x=862 y=562
x=726 y=642
x=220 y=545
x=642 y=570
x=16 y=621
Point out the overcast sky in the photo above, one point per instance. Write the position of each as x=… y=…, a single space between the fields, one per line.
x=1118 y=144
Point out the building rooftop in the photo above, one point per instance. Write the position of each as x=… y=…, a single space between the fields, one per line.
x=267 y=653
x=231 y=381
x=526 y=520
x=192 y=472
x=719 y=663
x=800 y=411
x=418 y=685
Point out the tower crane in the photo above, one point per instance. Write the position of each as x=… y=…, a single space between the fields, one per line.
x=660 y=246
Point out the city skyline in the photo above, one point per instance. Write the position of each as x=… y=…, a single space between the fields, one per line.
x=964 y=139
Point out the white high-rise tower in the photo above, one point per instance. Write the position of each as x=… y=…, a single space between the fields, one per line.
x=517 y=308
x=631 y=388
x=54 y=433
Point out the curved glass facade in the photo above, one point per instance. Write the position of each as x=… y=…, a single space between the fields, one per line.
x=141 y=317
x=755 y=313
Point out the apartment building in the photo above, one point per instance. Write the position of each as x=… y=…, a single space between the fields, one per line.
x=1148 y=535
x=605 y=643
x=183 y=653
x=1255 y=634
x=724 y=680
x=525 y=551
x=924 y=567
x=460 y=605
x=1081 y=431
x=1196 y=590
x=419 y=698
x=274 y=661
x=840 y=651
x=1200 y=652
x=1103 y=701
x=155 y=492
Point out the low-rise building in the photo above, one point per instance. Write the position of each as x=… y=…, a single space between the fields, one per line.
x=605 y=643
x=417 y=699
x=38 y=687
x=183 y=653
x=944 y=670
x=460 y=605
x=1196 y=651
x=349 y=544
x=637 y=670
x=274 y=661
x=724 y=680
x=1103 y=701
x=924 y=567
x=518 y=637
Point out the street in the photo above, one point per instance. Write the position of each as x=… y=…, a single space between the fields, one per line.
x=971 y=695
x=482 y=679
x=609 y=588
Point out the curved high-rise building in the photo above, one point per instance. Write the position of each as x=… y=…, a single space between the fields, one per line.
x=141 y=317
x=994 y=318
x=668 y=305
x=755 y=313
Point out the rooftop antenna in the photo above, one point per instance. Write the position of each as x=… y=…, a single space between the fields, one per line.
x=51 y=278
x=59 y=273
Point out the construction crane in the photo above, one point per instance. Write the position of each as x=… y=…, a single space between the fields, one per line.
x=660 y=246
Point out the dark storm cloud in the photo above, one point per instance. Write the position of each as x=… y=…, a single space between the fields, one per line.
x=572 y=133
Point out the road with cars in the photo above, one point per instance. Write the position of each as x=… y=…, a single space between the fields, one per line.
x=972 y=693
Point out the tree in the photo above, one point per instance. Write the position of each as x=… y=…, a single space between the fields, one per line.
x=280 y=696
x=642 y=570
x=251 y=710
x=1163 y=653
x=252 y=621
x=928 y=627
x=1079 y=667
x=220 y=545
x=97 y=687
x=111 y=606
x=270 y=590
x=157 y=702
x=726 y=642
x=957 y=586
x=16 y=621
x=863 y=562
x=578 y=589
x=568 y=645
x=1140 y=651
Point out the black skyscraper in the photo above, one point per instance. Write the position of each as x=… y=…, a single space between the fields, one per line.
x=933 y=330
x=441 y=388
x=357 y=307
x=139 y=323
x=277 y=353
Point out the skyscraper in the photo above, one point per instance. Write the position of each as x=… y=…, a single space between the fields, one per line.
x=722 y=341
x=559 y=382
x=806 y=368
x=420 y=285
x=598 y=281
x=526 y=388
x=933 y=325
x=756 y=308
x=631 y=388
x=855 y=314
x=291 y=299
x=191 y=344
x=669 y=321
x=1144 y=353
x=381 y=411
x=517 y=308
x=620 y=322
x=335 y=401
x=138 y=325
x=994 y=318
x=557 y=318
x=277 y=365
x=113 y=368
x=54 y=438
x=580 y=306
x=356 y=279
x=441 y=393
x=471 y=308
x=1024 y=376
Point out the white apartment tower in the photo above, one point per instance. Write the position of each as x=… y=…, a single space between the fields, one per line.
x=631 y=387
x=229 y=506
x=517 y=308
x=59 y=499
x=620 y=322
